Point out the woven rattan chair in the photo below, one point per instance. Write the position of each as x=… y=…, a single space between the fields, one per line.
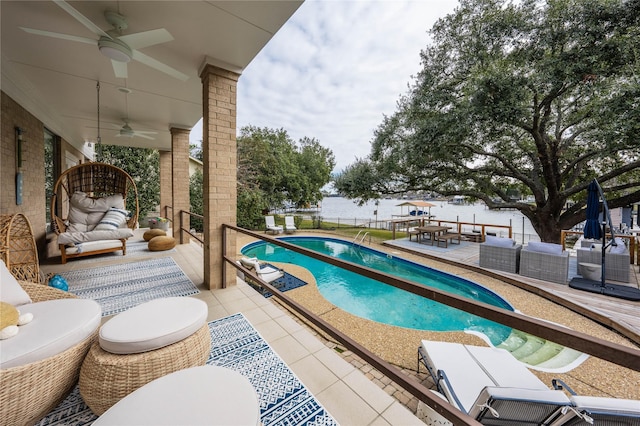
x=18 y=248
x=97 y=180
x=28 y=392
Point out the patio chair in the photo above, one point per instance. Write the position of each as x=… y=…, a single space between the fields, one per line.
x=490 y=385
x=616 y=263
x=271 y=225
x=545 y=261
x=592 y=410
x=264 y=272
x=502 y=254
x=289 y=225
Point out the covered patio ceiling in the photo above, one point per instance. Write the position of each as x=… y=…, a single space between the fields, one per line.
x=54 y=77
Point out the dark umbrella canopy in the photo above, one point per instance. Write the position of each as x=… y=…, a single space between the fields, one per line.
x=592 y=228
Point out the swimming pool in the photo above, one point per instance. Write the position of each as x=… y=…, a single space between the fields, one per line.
x=374 y=300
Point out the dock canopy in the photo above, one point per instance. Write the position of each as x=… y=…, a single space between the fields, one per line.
x=416 y=208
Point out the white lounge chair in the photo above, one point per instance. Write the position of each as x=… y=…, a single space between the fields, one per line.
x=265 y=273
x=271 y=225
x=594 y=410
x=289 y=225
x=490 y=385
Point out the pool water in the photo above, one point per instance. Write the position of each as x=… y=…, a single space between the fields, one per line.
x=377 y=301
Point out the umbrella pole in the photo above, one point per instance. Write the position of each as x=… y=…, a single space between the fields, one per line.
x=602 y=273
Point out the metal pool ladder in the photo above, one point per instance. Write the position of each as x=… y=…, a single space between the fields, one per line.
x=359 y=242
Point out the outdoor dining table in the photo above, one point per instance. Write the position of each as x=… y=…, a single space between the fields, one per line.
x=432 y=232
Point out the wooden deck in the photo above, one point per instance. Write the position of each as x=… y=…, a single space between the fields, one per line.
x=618 y=314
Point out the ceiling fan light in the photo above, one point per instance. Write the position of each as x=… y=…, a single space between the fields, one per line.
x=114 y=49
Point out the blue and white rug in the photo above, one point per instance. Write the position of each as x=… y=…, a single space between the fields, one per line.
x=283 y=399
x=120 y=287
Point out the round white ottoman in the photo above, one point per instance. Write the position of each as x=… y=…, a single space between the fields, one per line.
x=591 y=271
x=205 y=395
x=142 y=344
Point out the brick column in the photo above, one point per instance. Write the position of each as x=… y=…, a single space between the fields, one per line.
x=166 y=191
x=180 y=181
x=219 y=174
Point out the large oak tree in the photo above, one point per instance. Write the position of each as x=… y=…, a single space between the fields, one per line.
x=538 y=97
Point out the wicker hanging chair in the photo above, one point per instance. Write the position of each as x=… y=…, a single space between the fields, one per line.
x=18 y=248
x=96 y=180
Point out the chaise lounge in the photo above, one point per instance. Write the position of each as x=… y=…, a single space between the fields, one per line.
x=270 y=222
x=490 y=385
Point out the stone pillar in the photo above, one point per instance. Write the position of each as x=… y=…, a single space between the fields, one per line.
x=180 y=181
x=219 y=174
x=166 y=191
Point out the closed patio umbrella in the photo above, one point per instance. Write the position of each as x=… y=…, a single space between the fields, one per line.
x=592 y=228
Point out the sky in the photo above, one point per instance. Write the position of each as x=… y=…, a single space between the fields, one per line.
x=335 y=69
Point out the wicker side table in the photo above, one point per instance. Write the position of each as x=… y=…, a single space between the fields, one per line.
x=106 y=378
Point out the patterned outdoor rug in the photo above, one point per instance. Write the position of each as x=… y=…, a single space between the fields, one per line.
x=283 y=399
x=119 y=287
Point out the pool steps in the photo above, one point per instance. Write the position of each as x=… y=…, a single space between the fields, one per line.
x=537 y=352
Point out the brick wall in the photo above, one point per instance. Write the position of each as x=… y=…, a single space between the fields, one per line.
x=219 y=174
x=33 y=197
x=180 y=181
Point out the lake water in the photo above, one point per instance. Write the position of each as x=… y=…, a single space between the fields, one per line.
x=345 y=209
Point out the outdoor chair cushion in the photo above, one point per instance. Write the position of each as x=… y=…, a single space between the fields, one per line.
x=57 y=325
x=10 y=291
x=113 y=219
x=498 y=241
x=542 y=247
x=86 y=212
x=153 y=325
x=67 y=238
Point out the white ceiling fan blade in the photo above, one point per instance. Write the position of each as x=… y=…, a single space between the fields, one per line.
x=153 y=63
x=60 y=36
x=81 y=18
x=120 y=69
x=147 y=38
x=140 y=135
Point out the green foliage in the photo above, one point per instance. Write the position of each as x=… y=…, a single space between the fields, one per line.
x=196 y=200
x=144 y=167
x=536 y=96
x=274 y=170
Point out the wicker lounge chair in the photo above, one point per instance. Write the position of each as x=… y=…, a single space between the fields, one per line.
x=490 y=385
x=545 y=266
x=616 y=264
x=501 y=257
x=35 y=375
x=72 y=195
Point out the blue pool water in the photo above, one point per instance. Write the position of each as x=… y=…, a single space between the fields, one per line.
x=383 y=303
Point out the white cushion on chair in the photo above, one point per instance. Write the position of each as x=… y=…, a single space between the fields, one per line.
x=57 y=325
x=542 y=247
x=498 y=241
x=10 y=291
x=153 y=325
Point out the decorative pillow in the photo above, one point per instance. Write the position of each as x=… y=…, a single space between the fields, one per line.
x=498 y=241
x=86 y=212
x=596 y=247
x=10 y=291
x=112 y=220
x=542 y=247
x=620 y=248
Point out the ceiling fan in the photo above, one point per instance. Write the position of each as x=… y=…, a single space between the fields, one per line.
x=127 y=132
x=117 y=47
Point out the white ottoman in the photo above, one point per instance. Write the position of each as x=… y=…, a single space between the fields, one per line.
x=142 y=344
x=591 y=271
x=205 y=395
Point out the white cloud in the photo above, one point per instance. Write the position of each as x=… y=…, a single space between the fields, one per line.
x=335 y=69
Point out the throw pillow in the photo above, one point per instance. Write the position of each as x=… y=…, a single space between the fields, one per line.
x=112 y=220
x=542 y=247
x=10 y=291
x=620 y=248
x=498 y=241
